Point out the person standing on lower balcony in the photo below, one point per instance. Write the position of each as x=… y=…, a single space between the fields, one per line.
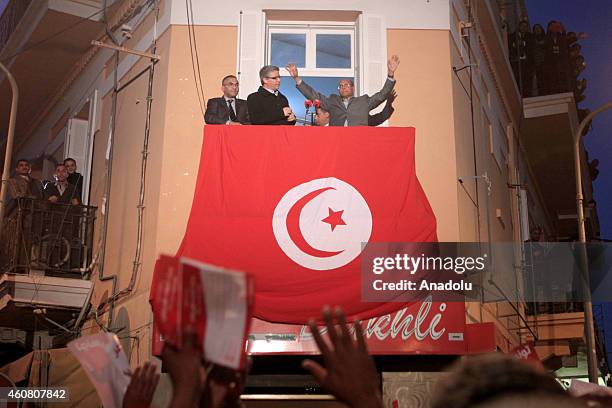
x=22 y=185
x=61 y=192
x=75 y=178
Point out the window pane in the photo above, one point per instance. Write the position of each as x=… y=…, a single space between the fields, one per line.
x=325 y=85
x=333 y=51
x=287 y=48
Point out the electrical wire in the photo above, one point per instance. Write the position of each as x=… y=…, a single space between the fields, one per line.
x=473 y=125
x=199 y=90
x=136 y=263
x=195 y=49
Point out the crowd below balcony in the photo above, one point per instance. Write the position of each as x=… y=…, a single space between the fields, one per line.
x=348 y=372
x=546 y=62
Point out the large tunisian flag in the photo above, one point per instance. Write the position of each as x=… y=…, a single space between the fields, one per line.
x=293 y=205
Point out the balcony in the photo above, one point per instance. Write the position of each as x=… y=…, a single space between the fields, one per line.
x=44 y=254
x=55 y=239
x=40 y=41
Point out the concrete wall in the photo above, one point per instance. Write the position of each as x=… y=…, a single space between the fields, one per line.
x=174 y=156
x=414 y=14
x=425 y=101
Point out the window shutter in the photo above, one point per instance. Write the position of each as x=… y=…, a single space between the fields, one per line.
x=373 y=58
x=251 y=51
x=77 y=146
x=76 y=140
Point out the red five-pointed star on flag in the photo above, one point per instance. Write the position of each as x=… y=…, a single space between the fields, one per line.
x=334 y=218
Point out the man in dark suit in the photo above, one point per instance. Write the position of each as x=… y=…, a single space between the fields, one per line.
x=22 y=185
x=346 y=109
x=75 y=178
x=61 y=192
x=268 y=106
x=322 y=114
x=227 y=110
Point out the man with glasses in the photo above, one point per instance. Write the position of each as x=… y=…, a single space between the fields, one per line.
x=268 y=106
x=346 y=109
x=322 y=115
x=227 y=110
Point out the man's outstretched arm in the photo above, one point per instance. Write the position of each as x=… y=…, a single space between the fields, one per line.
x=380 y=96
x=303 y=87
x=380 y=117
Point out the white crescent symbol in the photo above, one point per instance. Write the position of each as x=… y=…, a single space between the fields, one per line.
x=303 y=231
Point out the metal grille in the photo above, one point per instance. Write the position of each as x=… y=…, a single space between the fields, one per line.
x=55 y=238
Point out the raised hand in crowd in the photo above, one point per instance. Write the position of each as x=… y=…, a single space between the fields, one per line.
x=224 y=387
x=392 y=65
x=139 y=393
x=186 y=372
x=349 y=372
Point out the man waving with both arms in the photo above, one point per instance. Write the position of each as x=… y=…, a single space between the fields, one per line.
x=346 y=109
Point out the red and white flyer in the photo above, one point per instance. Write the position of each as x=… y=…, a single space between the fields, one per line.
x=213 y=303
x=106 y=365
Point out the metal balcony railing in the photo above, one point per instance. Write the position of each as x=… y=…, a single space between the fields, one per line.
x=54 y=238
x=10 y=18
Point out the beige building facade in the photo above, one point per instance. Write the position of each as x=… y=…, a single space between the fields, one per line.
x=454 y=85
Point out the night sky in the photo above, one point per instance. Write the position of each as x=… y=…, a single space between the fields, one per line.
x=593 y=17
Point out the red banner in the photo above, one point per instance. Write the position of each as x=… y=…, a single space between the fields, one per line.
x=420 y=328
x=293 y=206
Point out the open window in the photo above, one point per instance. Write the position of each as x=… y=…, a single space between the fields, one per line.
x=324 y=54
x=326 y=45
x=72 y=136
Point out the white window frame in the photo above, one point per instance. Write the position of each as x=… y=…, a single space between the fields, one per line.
x=311 y=29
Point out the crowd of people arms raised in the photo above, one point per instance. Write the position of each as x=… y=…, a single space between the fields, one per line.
x=349 y=373
x=268 y=106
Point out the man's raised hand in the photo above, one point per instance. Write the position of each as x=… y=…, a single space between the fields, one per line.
x=392 y=65
x=292 y=69
x=139 y=393
x=349 y=372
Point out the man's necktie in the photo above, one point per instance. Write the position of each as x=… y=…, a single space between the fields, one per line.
x=232 y=114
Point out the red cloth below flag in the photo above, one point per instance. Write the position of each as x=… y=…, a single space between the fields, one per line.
x=293 y=205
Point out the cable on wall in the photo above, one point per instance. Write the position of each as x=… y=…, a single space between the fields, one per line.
x=195 y=60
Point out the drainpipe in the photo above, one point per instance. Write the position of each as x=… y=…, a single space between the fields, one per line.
x=9 y=143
